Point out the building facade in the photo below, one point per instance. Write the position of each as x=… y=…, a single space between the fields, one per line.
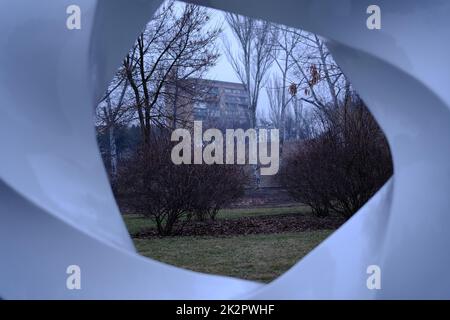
x=219 y=104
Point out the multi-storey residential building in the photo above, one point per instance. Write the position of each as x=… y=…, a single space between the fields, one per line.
x=219 y=104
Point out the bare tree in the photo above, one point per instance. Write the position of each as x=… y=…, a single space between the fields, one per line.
x=111 y=112
x=274 y=94
x=319 y=78
x=287 y=42
x=173 y=46
x=254 y=57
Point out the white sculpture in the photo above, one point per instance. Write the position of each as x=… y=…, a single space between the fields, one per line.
x=56 y=207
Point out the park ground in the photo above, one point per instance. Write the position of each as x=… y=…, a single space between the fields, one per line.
x=255 y=244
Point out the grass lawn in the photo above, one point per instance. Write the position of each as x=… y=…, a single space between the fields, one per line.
x=253 y=212
x=136 y=223
x=260 y=257
x=252 y=257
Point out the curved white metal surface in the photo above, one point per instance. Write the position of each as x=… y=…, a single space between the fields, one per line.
x=57 y=209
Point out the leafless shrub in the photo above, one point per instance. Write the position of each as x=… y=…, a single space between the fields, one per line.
x=340 y=169
x=150 y=184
